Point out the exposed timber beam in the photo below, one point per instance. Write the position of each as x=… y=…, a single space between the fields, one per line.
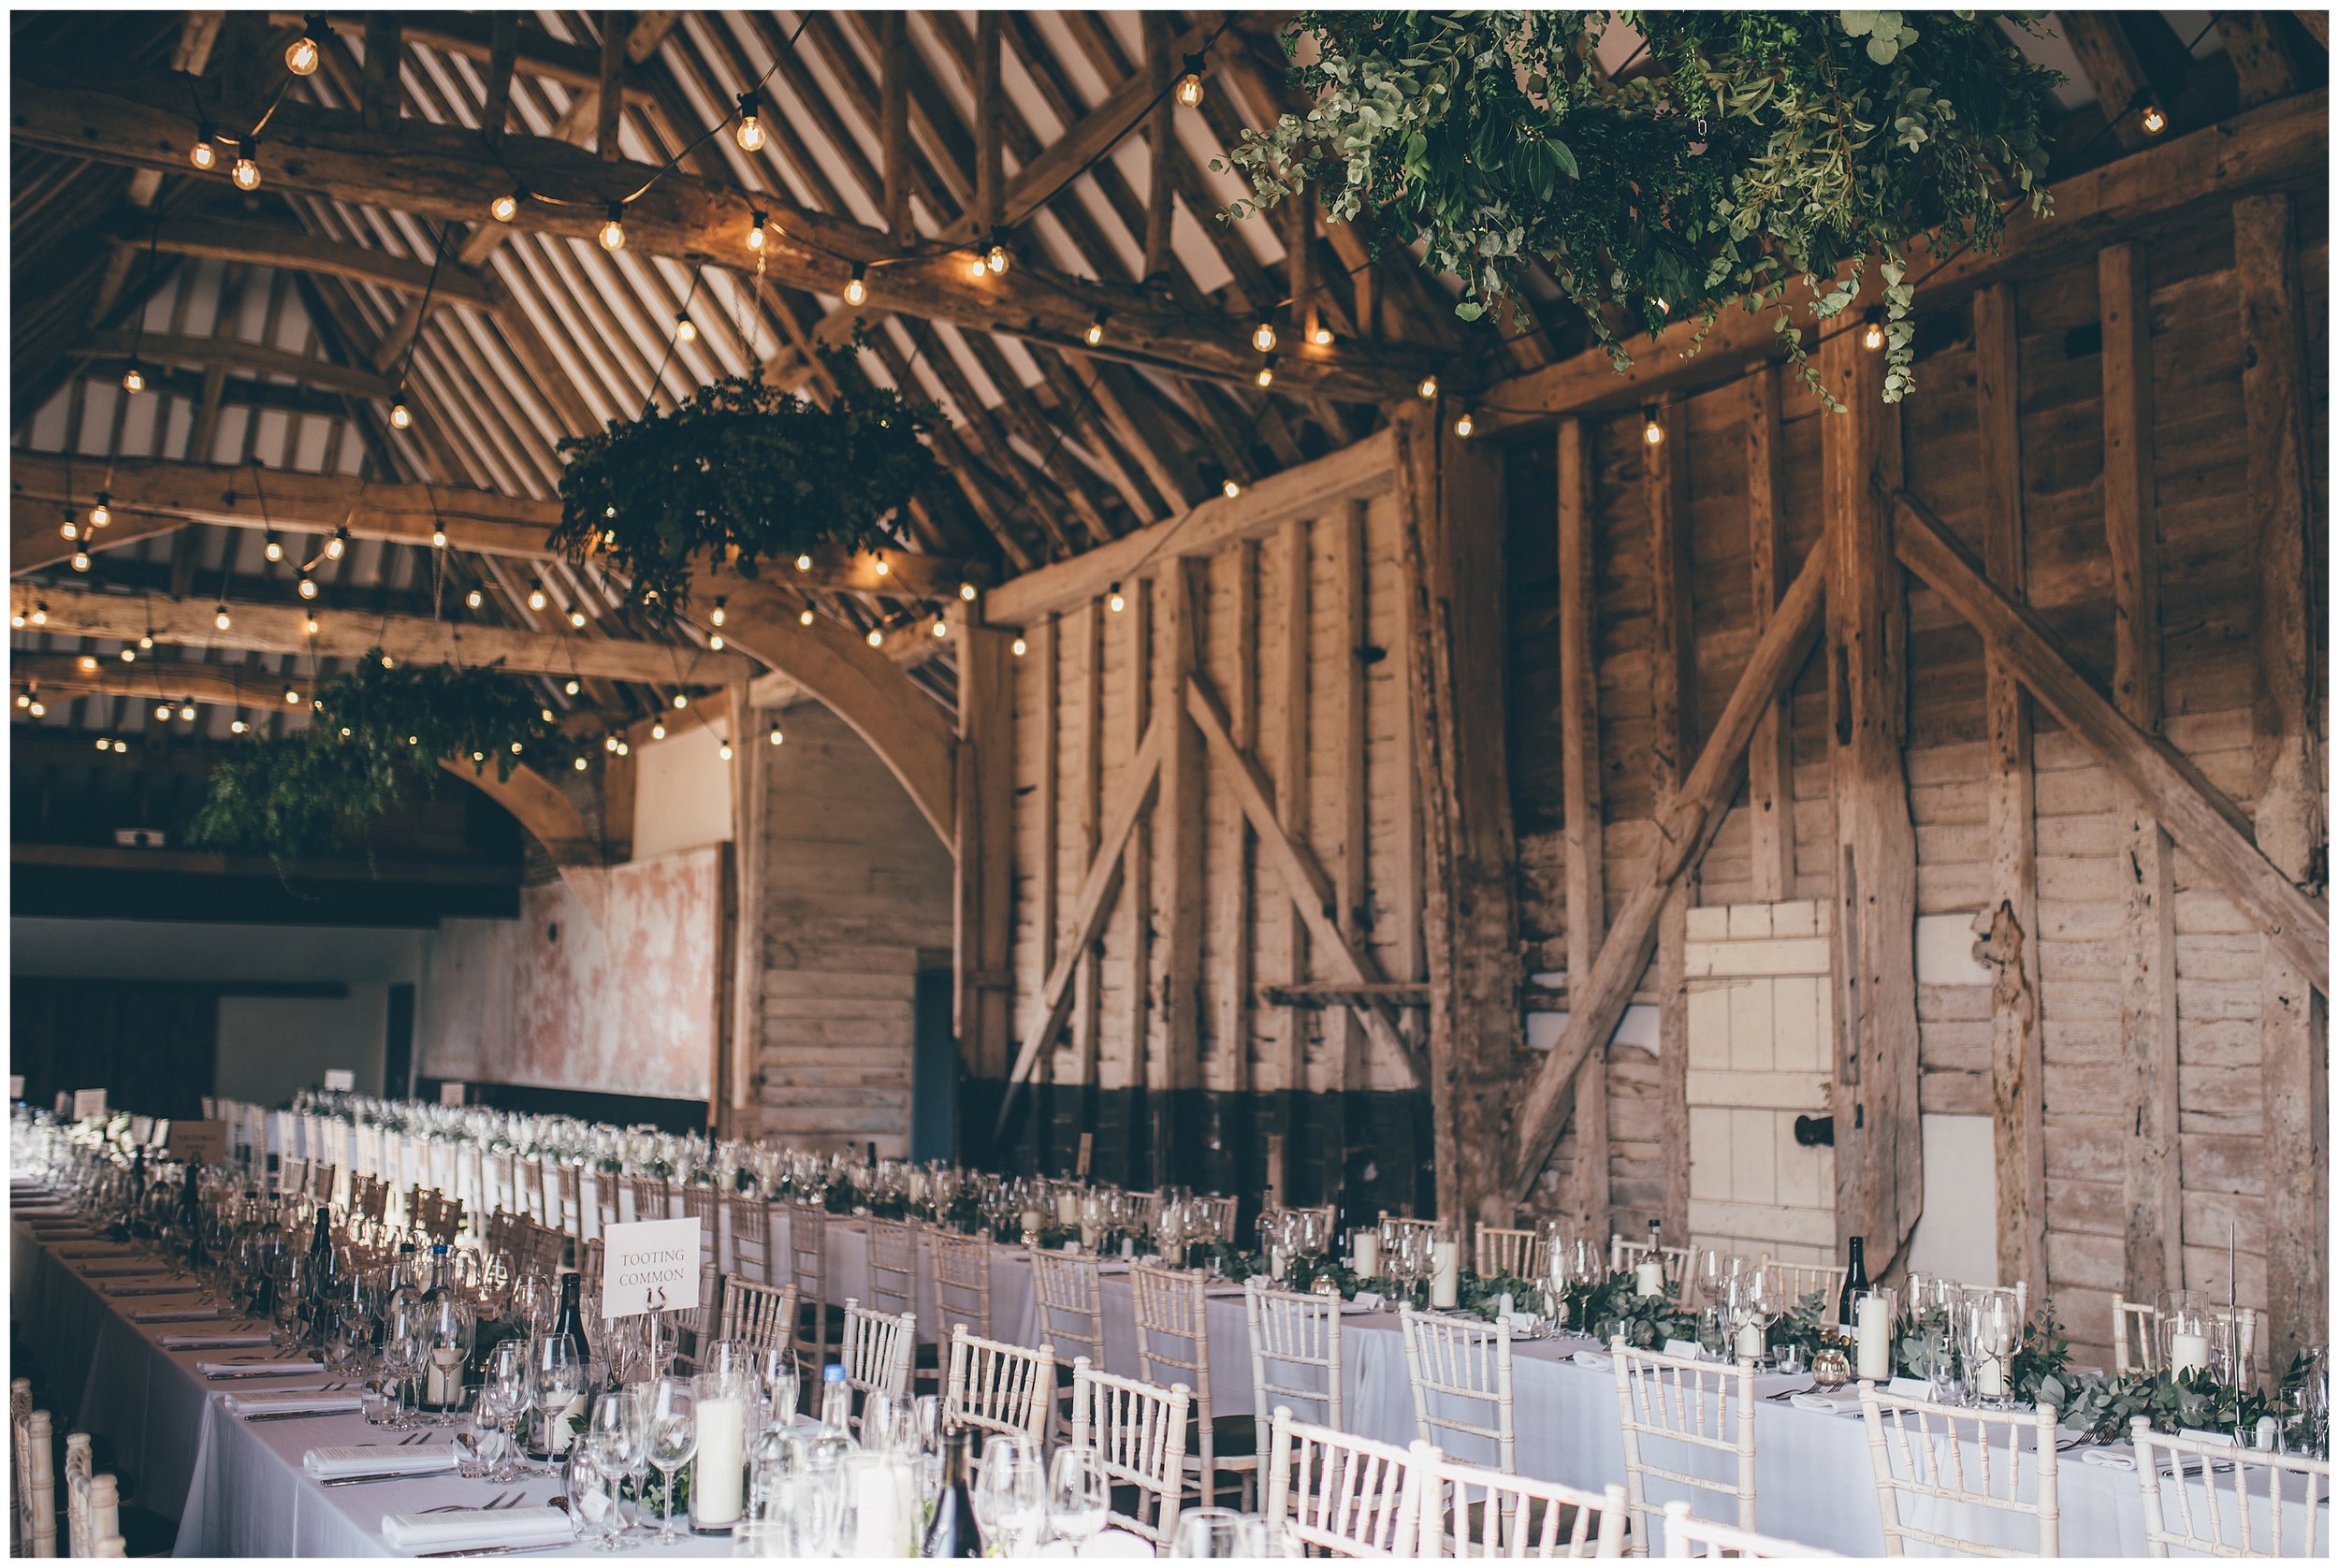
x=276 y=245
x=2281 y=146
x=1689 y=825
x=233 y=353
x=446 y=172
x=78 y=612
x=2205 y=824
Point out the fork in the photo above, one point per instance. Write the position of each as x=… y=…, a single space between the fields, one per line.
x=495 y=1502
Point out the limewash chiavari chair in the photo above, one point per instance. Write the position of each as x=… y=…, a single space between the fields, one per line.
x=323 y=1179
x=1516 y=1253
x=435 y=1214
x=1625 y=1252
x=500 y=1186
x=1464 y=1362
x=1397 y=1225
x=1339 y=1495
x=1687 y=1535
x=701 y=1203
x=808 y=1268
x=961 y=1267
x=747 y=1236
x=1804 y=1278
x=758 y=1315
x=892 y=1266
x=1138 y=1432
x=36 y=1474
x=1226 y=1213
x=998 y=1387
x=578 y=1220
x=1467 y=1511
x=1298 y=1331
x=292 y=1177
x=876 y=1348
x=528 y=1186
x=2234 y=1522
x=76 y=1499
x=1677 y=1407
x=539 y=1247
x=588 y=1261
x=644 y=1198
x=1172 y=1316
x=1928 y=1455
x=1068 y=1306
x=370 y=1198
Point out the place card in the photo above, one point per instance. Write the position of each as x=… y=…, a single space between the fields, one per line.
x=204 y=1142
x=339 y=1080
x=88 y=1103
x=649 y=1266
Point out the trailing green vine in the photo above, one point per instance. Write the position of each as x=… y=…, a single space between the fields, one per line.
x=742 y=473
x=375 y=740
x=1759 y=150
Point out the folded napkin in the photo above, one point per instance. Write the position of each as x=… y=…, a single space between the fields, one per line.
x=127 y=1269
x=377 y=1459
x=1117 y=1543
x=505 y=1527
x=212 y=1341
x=139 y=1287
x=257 y=1367
x=2109 y=1459
x=111 y=1249
x=1832 y=1404
x=292 y=1401
x=179 y=1314
x=1595 y=1359
x=1369 y=1301
x=1359 y=1307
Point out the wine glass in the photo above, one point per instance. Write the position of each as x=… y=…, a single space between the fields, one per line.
x=776 y=1373
x=673 y=1441
x=557 y=1381
x=590 y=1478
x=1076 y=1495
x=447 y=1333
x=508 y=1375
x=615 y=1427
x=403 y=1355
x=991 y=1484
x=1208 y=1533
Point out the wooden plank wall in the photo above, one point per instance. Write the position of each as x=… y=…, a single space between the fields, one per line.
x=1302 y=633
x=2196 y=453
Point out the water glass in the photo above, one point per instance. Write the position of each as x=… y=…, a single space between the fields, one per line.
x=1078 y=1496
x=764 y=1537
x=1208 y=1532
x=471 y=1457
x=591 y=1479
x=673 y=1441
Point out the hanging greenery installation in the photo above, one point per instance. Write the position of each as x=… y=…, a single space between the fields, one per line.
x=375 y=740
x=1758 y=153
x=742 y=473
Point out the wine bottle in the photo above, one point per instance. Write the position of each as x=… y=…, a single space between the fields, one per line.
x=954 y=1532
x=321 y=1273
x=191 y=1218
x=569 y=1322
x=1855 y=1282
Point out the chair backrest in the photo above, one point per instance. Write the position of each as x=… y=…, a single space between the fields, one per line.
x=1139 y=1434
x=575 y=1219
x=76 y=1500
x=588 y=1261
x=1461 y=1372
x=37 y=1489
x=808 y=1269
x=1226 y=1213
x=292 y=1176
x=607 y=1184
x=1468 y=1511
x=892 y=1266
x=876 y=1349
x=500 y=1186
x=746 y=1227
x=2135 y=1337
x=1804 y=1278
x=1928 y=1454
x=1687 y=1423
x=369 y=1198
x=435 y=1214
x=645 y=1197
x=1297 y=1336
x=1342 y=1496
x=1516 y=1253
x=758 y=1315
x=1172 y=1330
x=2221 y=1500
x=702 y=1202
x=999 y=1388
x=539 y=1247
x=1071 y=1304
x=1625 y=1252
x=323 y=1179
x=1687 y=1535
x=1397 y=1223
x=962 y=1279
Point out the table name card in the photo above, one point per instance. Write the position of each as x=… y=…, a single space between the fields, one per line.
x=649 y=1266
x=339 y=1080
x=88 y=1103
x=141 y=1129
x=16 y=1085
x=205 y=1142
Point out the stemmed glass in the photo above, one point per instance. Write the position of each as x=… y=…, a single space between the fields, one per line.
x=514 y=1394
x=404 y=1354
x=1076 y=1495
x=555 y=1378
x=591 y=1479
x=994 y=1485
x=672 y=1431
x=448 y=1331
x=616 y=1431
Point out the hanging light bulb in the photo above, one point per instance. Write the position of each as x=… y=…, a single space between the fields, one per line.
x=23 y=699
x=186 y=713
x=221 y=618
x=724 y=751
x=658 y=731
x=750 y=131
x=1263 y=336
x=997 y=258
x=978 y=269
x=1018 y=647
x=535 y=593
x=203 y=155
x=388 y=663
x=682 y=699
x=685 y=330
x=941 y=626
x=1266 y=377
x=246 y=173
x=1427 y=390
x=571 y=686
x=515 y=745
x=576 y=619
x=1651 y=430
x=81 y=560
x=146 y=642
x=237 y=726
x=717 y=615
x=88 y=663
x=402 y=417
x=134 y=379
x=804 y=616
x=877 y=637
x=105 y=745
x=776 y=738
x=120 y=747
x=474 y=598
x=1190 y=88
x=310 y=626
x=857 y=286
x=273 y=548
x=101 y=514
x=1463 y=425
x=129 y=656
x=1320 y=335
x=438 y=539
x=291 y=698
x=69 y=528
x=1230 y=490
x=302 y=54
x=1114 y=600
x=966 y=591
x=580 y=765
x=609 y=744
x=755 y=229
x=308 y=587
x=804 y=563
x=613 y=230
x=338 y=545
x=1872 y=334
x=714 y=642
x=2154 y=121
x=505 y=207
x=547 y=713
x=1095 y=333
x=17 y=620
x=41 y=612
x=39 y=709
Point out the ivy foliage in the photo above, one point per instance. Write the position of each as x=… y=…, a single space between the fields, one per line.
x=375 y=741
x=741 y=473
x=1760 y=151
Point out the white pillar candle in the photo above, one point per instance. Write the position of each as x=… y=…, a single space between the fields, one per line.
x=442 y=1384
x=1067 y=1207
x=1989 y=1376
x=717 y=1476
x=1368 y=1253
x=880 y=1509
x=1750 y=1342
x=2187 y=1353
x=1092 y=1236
x=1276 y=1263
x=1649 y=1277
x=1876 y=1340
x=1445 y=1274
x=1031 y=1221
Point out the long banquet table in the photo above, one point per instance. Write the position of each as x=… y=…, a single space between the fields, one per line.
x=240 y=1489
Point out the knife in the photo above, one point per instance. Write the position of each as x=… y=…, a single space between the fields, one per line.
x=386 y=1475
x=499 y=1551
x=262 y=1372
x=296 y=1415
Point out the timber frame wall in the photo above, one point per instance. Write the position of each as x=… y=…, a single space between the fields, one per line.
x=2041 y=646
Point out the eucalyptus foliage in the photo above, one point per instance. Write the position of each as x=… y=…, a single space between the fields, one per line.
x=741 y=473
x=1763 y=157
x=375 y=740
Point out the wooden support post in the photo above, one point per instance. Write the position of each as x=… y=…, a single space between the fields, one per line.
x=2131 y=528
x=1672 y=654
x=1178 y=592
x=1449 y=495
x=1048 y=743
x=1580 y=804
x=2009 y=933
x=1087 y=640
x=1343 y=1045
x=1231 y=877
x=616 y=806
x=1770 y=761
x=984 y=840
x=1880 y=1173
x=609 y=105
x=1135 y=917
x=990 y=111
x=742 y=1015
x=1288 y=758
x=2294 y=1051
x=380 y=83
x=504 y=49
x=1161 y=153
x=893 y=123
